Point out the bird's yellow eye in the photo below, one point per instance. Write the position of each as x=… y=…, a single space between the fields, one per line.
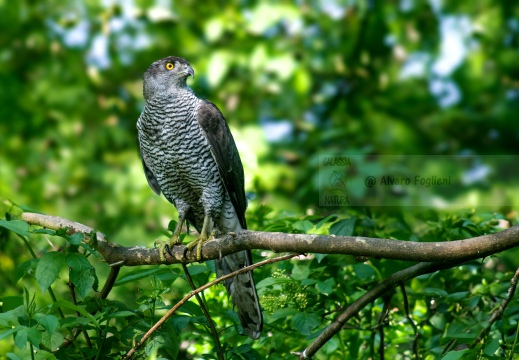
x=169 y=66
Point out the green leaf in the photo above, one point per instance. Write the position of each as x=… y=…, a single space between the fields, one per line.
x=34 y=336
x=179 y=322
x=17 y=226
x=306 y=282
x=300 y=272
x=8 y=319
x=9 y=332
x=53 y=341
x=49 y=322
x=363 y=271
x=302 y=225
x=327 y=219
x=243 y=348
x=282 y=314
x=191 y=308
x=454 y=355
x=120 y=314
x=438 y=321
x=80 y=273
x=305 y=322
x=44 y=355
x=343 y=227
x=320 y=257
x=44 y=231
x=458 y=330
x=326 y=287
x=75 y=239
x=48 y=269
x=12 y=356
x=73 y=322
x=272 y=281
x=435 y=292
x=492 y=347
x=458 y=296
x=27 y=267
x=331 y=345
x=136 y=275
x=20 y=339
x=79 y=308
x=197 y=269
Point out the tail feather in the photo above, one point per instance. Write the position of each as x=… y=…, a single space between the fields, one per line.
x=243 y=291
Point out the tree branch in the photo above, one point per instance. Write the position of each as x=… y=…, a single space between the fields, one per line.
x=200 y=289
x=382 y=288
x=499 y=312
x=443 y=252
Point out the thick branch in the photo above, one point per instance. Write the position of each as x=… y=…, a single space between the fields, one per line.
x=451 y=251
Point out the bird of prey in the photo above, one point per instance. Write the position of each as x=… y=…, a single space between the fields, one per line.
x=188 y=153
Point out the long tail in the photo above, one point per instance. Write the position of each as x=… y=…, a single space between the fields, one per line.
x=243 y=291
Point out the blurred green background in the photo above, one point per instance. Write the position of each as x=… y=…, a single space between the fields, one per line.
x=295 y=80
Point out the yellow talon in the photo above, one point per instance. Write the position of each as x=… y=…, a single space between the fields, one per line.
x=201 y=239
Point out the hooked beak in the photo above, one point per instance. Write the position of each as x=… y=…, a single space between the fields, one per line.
x=189 y=71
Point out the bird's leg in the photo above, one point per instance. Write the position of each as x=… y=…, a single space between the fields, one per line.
x=164 y=246
x=204 y=237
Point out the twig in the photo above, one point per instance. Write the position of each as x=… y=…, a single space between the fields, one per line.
x=512 y=351
x=411 y=321
x=385 y=286
x=499 y=312
x=110 y=281
x=382 y=321
x=159 y=323
x=206 y=313
x=74 y=301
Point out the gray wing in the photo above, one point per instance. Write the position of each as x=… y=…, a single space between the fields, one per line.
x=152 y=181
x=226 y=155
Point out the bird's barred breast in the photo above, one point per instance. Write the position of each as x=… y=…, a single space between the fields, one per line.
x=179 y=153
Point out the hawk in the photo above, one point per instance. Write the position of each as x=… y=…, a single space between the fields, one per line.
x=188 y=153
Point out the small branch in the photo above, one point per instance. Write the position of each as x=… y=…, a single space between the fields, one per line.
x=411 y=321
x=442 y=252
x=499 y=312
x=382 y=322
x=385 y=286
x=206 y=313
x=110 y=281
x=74 y=301
x=200 y=289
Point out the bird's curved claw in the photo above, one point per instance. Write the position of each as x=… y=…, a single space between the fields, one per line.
x=166 y=247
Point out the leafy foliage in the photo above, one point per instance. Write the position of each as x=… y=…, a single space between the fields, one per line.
x=300 y=299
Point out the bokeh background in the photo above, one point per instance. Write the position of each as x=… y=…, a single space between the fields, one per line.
x=295 y=80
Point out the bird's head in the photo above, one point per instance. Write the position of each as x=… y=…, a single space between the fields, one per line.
x=166 y=74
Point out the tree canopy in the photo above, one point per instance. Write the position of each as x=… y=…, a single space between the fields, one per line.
x=297 y=81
